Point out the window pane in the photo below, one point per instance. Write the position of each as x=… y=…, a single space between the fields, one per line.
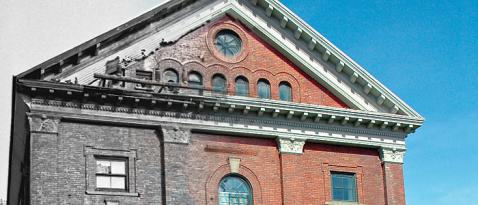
x=349 y=196
x=103 y=182
x=171 y=76
x=112 y=203
x=218 y=84
x=263 y=89
x=338 y=194
x=285 y=91
x=343 y=187
x=195 y=79
x=234 y=190
x=118 y=182
x=103 y=167
x=228 y=43
x=118 y=167
x=242 y=86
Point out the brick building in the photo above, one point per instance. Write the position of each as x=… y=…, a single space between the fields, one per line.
x=207 y=102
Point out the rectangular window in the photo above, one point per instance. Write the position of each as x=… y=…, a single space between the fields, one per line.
x=111 y=174
x=344 y=187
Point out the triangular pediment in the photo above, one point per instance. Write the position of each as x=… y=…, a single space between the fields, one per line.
x=140 y=43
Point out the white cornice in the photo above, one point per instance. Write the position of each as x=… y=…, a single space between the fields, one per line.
x=224 y=123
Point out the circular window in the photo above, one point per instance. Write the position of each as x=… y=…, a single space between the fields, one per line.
x=228 y=43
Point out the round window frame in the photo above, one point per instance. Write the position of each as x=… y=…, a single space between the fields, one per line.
x=211 y=39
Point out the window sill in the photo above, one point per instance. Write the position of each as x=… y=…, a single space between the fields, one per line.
x=342 y=203
x=112 y=193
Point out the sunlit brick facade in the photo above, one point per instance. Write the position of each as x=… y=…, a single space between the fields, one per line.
x=207 y=102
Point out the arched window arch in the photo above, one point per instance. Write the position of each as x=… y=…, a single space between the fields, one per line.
x=235 y=190
x=242 y=86
x=218 y=83
x=170 y=76
x=263 y=89
x=285 y=91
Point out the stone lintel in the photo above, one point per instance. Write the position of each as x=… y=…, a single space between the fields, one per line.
x=392 y=155
x=290 y=145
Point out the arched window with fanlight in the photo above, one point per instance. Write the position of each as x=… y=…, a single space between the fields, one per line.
x=218 y=83
x=242 y=86
x=234 y=190
x=195 y=81
x=170 y=76
x=285 y=91
x=263 y=89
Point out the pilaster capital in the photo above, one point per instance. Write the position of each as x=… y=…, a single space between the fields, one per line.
x=290 y=145
x=41 y=123
x=176 y=134
x=392 y=155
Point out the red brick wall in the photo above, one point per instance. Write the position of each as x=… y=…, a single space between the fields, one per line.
x=208 y=157
x=196 y=51
x=282 y=179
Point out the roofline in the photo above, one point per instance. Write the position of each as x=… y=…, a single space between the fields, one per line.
x=330 y=49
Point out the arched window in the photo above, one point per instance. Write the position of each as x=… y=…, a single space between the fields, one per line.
x=242 y=86
x=263 y=89
x=234 y=190
x=171 y=76
x=218 y=83
x=195 y=79
x=285 y=91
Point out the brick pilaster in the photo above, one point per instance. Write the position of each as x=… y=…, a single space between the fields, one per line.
x=175 y=176
x=43 y=158
x=393 y=176
x=291 y=170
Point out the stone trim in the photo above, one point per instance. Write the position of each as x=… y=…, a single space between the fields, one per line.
x=175 y=134
x=234 y=164
x=290 y=145
x=234 y=124
x=43 y=124
x=392 y=155
x=222 y=117
x=111 y=193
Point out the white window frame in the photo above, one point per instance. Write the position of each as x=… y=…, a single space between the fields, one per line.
x=91 y=156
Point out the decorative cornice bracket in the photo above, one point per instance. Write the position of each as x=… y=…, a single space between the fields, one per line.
x=290 y=145
x=43 y=123
x=175 y=134
x=392 y=155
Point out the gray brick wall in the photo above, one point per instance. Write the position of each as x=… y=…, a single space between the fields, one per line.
x=59 y=168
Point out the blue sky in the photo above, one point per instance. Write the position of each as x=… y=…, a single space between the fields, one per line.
x=425 y=52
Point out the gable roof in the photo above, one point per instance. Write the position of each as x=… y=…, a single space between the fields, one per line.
x=272 y=21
